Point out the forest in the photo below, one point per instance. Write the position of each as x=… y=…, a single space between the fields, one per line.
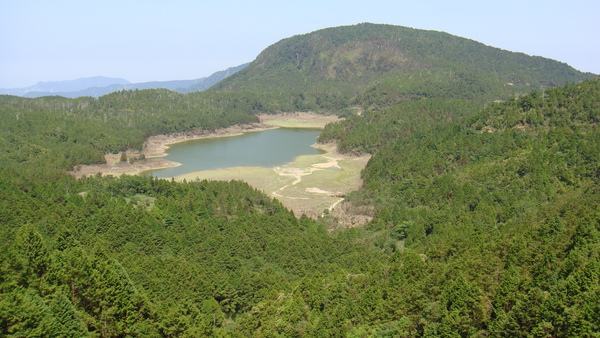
x=486 y=212
x=373 y=65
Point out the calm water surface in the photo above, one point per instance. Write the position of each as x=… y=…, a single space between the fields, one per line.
x=269 y=148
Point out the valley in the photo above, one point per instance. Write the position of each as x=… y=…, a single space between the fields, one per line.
x=310 y=185
x=470 y=207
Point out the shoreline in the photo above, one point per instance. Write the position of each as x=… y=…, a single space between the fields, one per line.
x=311 y=185
x=156 y=146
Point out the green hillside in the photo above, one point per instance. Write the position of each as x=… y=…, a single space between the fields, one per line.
x=491 y=224
x=374 y=65
x=487 y=225
x=59 y=133
x=486 y=217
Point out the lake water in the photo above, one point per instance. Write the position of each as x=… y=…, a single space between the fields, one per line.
x=269 y=148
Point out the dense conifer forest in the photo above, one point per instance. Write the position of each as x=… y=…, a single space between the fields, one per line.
x=486 y=203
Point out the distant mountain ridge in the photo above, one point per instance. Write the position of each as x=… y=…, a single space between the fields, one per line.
x=66 y=86
x=99 y=85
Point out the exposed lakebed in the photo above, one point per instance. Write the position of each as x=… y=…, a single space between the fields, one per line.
x=267 y=149
x=280 y=162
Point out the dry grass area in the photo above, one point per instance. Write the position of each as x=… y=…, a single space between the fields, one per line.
x=310 y=185
x=298 y=120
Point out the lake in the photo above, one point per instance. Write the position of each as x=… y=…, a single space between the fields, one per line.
x=269 y=149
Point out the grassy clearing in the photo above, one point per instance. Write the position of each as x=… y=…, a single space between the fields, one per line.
x=298 y=120
x=309 y=185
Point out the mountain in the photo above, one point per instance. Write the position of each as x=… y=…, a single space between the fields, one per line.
x=98 y=85
x=486 y=226
x=372 y=63
x=486 y=217
x=175 y=85
x=52 y=87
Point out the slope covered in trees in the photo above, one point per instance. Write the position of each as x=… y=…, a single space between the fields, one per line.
x=147 y=257
x=492 y=227
x=379 y=65
x=486 y=214
x=487 y=225
x=60 y=133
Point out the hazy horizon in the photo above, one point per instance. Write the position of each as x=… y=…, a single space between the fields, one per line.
x=181 y=40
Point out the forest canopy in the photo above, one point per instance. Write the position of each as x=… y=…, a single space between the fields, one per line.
x=485 y=201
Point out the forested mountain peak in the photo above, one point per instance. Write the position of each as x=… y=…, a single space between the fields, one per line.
x=373 y=60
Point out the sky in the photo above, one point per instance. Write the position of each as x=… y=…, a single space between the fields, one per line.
x=164 y=40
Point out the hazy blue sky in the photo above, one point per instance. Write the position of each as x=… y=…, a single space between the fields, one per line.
x=180 y=39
